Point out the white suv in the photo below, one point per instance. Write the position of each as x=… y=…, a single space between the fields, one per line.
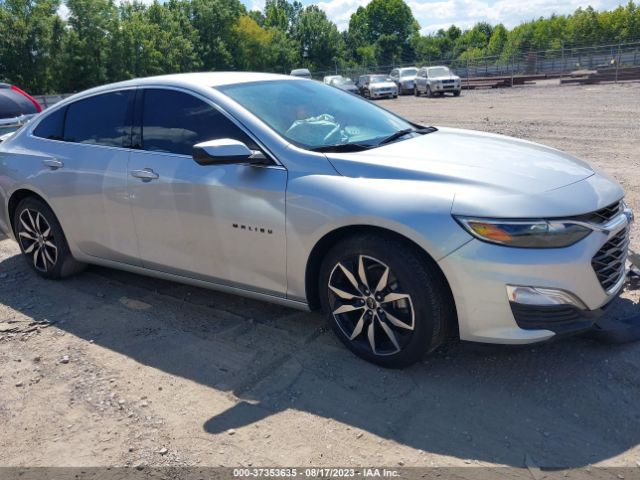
x=437 y=80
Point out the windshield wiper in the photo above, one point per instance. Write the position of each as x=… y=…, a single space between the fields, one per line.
x=342 y=147
x=402 y=133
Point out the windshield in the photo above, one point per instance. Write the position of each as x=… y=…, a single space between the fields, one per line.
x=313 y=115
x=380 y=78
x=439 y=72
x=409 y=72
x=343 y=81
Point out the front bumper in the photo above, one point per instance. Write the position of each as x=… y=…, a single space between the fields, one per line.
x=383 y=94
x=479 y=274
x=447 y=87
x=560 y=319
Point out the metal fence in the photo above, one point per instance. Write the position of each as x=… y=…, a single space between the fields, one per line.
x=46 y=101
x=548 y=62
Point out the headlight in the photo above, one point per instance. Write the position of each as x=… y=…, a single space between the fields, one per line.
x=626 y=209
x=524 y=233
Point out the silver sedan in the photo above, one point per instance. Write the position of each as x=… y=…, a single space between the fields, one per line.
x=294 y=192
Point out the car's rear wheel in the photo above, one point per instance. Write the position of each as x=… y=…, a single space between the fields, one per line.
x=456 y=93
x=383 y=301
x=42 y=240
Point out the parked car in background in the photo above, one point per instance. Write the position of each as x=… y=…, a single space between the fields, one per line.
x=345 y=84
x=437 y=81
x=16 y=108
x=301 y=72
x=404 y=78
x=377 y=86
x=329 y=78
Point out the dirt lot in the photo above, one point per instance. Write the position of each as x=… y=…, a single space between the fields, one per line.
x=109 y=368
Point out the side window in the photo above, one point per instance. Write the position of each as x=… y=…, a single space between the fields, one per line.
x=174 y=122
x=99 y=120
x=52 y=125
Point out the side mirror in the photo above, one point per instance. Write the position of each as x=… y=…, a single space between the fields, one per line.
x=225 y=151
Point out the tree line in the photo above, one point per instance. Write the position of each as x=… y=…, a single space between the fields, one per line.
x=102 y=41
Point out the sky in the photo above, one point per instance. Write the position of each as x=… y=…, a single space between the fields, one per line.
x=435 y=14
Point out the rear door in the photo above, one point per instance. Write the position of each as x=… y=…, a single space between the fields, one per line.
x=219 y=223
x=84 y=150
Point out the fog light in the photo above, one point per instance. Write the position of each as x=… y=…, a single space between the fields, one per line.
x=543 y=296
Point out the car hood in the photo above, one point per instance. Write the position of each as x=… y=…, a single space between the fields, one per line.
x=383 y=85
x=445 y=77
x=408 y=78
x=481 y=169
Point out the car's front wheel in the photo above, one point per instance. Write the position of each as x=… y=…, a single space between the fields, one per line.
x=42 y=240
x=385 y=303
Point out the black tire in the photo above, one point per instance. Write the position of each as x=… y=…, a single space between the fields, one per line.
x=415 y=91
x=423 y=307
x=429 y=93
x=42 y=241
x=456 y=93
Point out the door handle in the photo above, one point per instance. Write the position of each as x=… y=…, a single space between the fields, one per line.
x=146 y=174
x=52 y=163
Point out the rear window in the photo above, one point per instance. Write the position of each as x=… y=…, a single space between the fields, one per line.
x=51 y=126
x=13 y=104
x=100 y=120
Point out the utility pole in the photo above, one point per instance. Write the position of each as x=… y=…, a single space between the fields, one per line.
x=617 y=63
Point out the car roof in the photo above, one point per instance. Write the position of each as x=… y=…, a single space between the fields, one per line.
x=198 y=79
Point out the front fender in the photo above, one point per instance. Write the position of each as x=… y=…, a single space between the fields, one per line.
x=320 y=204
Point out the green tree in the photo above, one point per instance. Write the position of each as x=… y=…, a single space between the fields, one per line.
x=282 y=15
x=320 y=43
x=497 y=41
x=257 y=48
x=89 y=43
x=214 y=21
x=389 y=25
x=31 y=34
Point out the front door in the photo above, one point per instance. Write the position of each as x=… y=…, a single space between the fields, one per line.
x=219 y=223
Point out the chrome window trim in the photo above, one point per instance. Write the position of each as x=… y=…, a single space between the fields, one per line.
x=69 y=101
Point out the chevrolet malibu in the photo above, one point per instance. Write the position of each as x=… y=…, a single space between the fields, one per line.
x=294 y=192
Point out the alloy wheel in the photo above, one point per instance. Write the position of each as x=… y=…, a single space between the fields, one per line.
x=36 y=239
x=369 y=306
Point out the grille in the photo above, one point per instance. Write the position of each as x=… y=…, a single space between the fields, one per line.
x=601 y=216
x=447 y=81
x=609 y=262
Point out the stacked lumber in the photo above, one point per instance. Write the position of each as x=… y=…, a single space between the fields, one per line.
x=603 y=74
x=499 y=81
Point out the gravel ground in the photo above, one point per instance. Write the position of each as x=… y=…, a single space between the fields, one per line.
x=109 y=368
